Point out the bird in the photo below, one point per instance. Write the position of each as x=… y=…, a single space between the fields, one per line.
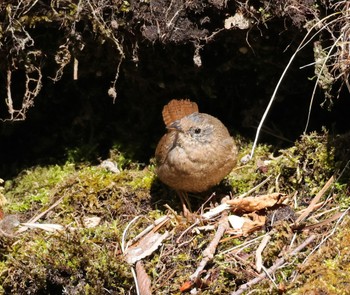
x=196 y=152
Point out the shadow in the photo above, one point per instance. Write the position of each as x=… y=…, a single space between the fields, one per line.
x=161 y=195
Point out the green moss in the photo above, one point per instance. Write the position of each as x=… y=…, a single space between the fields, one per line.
x=32 y=187
x=95 y=190
x=305 y=167
x=80 y=260
x=244 y=177
x=328 y=271
x=89 y=260
x=69 y=261
x=145 y=180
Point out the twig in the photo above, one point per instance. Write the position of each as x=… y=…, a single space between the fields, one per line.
x=245 y=244
x=324 y=222
x=329 y=235
x=186 y=230
x=135 y=279
x=273 y=268
x=300 y=47
x=316 y=207
x=125 y=233
x=335 y=44
x=37 y=217
x=258 y=257
x=254 y=188
x=75 y=69
x=206 y=202
x=159 y=221
x=8 y=99
x=315 y=200
x=209 y=252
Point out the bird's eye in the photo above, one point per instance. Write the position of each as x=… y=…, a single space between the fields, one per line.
x=197 y=130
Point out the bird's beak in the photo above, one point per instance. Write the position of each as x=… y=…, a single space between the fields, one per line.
x=175 y=126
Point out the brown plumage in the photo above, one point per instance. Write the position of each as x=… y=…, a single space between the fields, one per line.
x=197 y=152
x=177 y=109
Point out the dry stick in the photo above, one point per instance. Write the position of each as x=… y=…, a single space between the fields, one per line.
x=324 y=222
x=8 y=99
x=75 y=69
x=37 y=217
x=317 y=206
x=125 y=232
x=273 y=268
x=315 y=200
x=158 y=222
x=254 y=188
x=244 y=245
x=187 y=230
x=209 y=252
x=142 y=281
x=258 y=257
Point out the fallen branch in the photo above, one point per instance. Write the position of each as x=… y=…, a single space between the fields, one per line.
x=209 y=252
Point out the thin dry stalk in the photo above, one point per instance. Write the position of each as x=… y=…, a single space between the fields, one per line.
x=258 y=256
x=209 y=252
x=273 y=268
x=314 y=201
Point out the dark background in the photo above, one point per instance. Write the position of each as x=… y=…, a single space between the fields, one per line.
x=77 y=120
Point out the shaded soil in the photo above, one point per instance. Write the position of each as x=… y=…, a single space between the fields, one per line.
x=172 y=49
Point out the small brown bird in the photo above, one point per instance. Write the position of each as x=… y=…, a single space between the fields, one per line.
x=197 y=152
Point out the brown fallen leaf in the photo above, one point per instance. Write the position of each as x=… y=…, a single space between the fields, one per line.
x=253 y=222
x=251 y=204
x=145 y=247
x=247 y=223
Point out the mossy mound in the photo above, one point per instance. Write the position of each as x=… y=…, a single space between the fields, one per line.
x=95 y=206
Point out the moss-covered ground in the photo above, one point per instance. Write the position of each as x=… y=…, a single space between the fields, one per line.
x=95 y=205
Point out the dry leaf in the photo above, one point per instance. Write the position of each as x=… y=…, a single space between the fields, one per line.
x=252 y=222
x=145 y=247
x=235 y=221
x=92 y=221
x=51 y=227
x=251 y=204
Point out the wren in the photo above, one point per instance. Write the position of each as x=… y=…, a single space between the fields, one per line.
x=197 y=151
